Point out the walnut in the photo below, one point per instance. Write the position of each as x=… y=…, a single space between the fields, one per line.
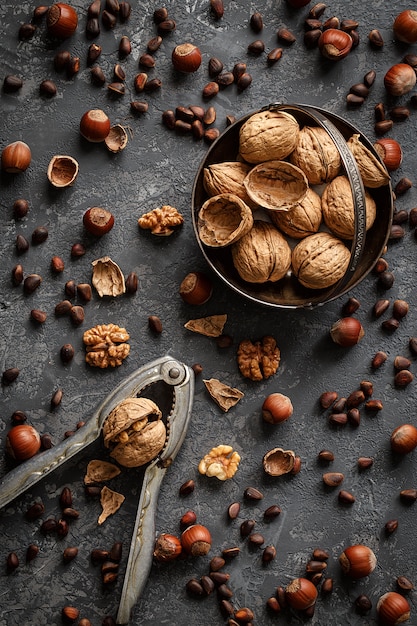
x=226 y=397
x=211 y=326
x=161 y=221
x=261 y=255
x=338 y=208
x=107 y=277
x=106 y=345
x=260 y=359
x=111 y=501
x=131 y=413
x=373 y=173
x=267 y=136
x=227 y=177
x=99 y=471
x=134 y=439
x=320 y=260
x=304 y=219
x=223 y=219
x=317 y=155
x=276 y=185
x=221 y=462
x=142 y=446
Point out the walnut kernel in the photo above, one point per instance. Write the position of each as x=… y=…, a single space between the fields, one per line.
x=260 y=359
x=161 y=221
x=221 y=462
x=268 y=135
x=106 y=345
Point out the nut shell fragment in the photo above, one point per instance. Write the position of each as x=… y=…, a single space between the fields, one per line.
x=320 y=260
x=226 y=397
x=317 y=155
x=111 y=501
x=223 y=219
x=303 y=220
x=211 y=326
x=221 y=462
x=277 y=461
x=262 y=254
x=268 y=135
x=99 y=471
x=108 y=278
x=372 y=171
x=161 y=221
x=62 y=170
x=117 y=139
x=276 y=185
x=338 y=208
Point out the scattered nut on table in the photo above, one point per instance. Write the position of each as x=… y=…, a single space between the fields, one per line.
x=106 y=345
x=258 y=360
x=224 y=395
x=111 y=501
x=108 y=278
x=161 y=221
x=211 y=326
x=221 y=462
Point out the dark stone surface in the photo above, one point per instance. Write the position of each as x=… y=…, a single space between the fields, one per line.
x=156 y=168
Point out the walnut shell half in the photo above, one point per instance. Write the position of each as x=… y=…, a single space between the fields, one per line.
x=223 y=219
x=262 y=254
x=320 y=260
x=338 y=208
x=268 y=135
x=276 y=185
x=303 y=220
x=373 y=173
x=317 y=155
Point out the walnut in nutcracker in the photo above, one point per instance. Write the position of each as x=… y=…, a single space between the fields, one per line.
x=303 y=220
x=268 y=135
x=262 y=254
x=317 y=155
x=339 y=211
x=320 y=260
x=134 y=431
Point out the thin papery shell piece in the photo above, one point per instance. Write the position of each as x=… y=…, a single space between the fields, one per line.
x=99 y=471
x=276 y=185
x=261 y=255
x=227 y=177
x=317 y=155
x=320 y=260
x=127 y=413
x=210 y=326
x=303 y=220
x=223 y=219
x=108 y=278
x=277 y=461
x=268 y=135
x=373 y=172
x=142 y=446
x=224 y=395
x=111 y=501
x=338 y=208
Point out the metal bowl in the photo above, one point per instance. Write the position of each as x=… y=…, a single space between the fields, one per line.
x=366 y=247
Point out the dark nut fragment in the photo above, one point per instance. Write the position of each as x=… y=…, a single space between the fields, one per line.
x=31 y=552
x=391 y=526
x=272 y=512
x=155 y=324
x=404 y=584
x=57 y=264
x=403 y=378
x=380 y=307
x=345 y=497
x=364 y=462
x=333 y=479
x=31 y=283
x=67 y=353
x=325 y=456
x=379 y=359
x=187 y=488
x=253 y=494
x=327 y=398
x=233 y=510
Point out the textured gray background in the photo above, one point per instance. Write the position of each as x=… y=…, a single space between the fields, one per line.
x=156 y=168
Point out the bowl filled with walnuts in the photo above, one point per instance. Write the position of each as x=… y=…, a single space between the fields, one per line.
x=292 y=206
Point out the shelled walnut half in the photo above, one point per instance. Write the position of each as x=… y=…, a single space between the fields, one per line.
x=106 y=345
x=161 y=221
x=260 y=359
x=221 y=462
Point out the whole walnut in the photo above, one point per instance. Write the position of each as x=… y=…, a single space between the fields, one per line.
x=303 y=220
x=227 y=177
x=373 y=172
x=317 y=155
x=320 y=260
x=262 y=254
x=268 y=136
x=338 y=208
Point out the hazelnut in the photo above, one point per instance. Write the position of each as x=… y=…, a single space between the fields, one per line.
x=357 y=561
x=405 y=26
x=276 y=408
x=98 y=221
x=186 y=57
x=400 y=79
x=392 y=608
x=404 y=439
x=16 y=157
x=95 y=125
x=196 y=288
x=347 y=331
